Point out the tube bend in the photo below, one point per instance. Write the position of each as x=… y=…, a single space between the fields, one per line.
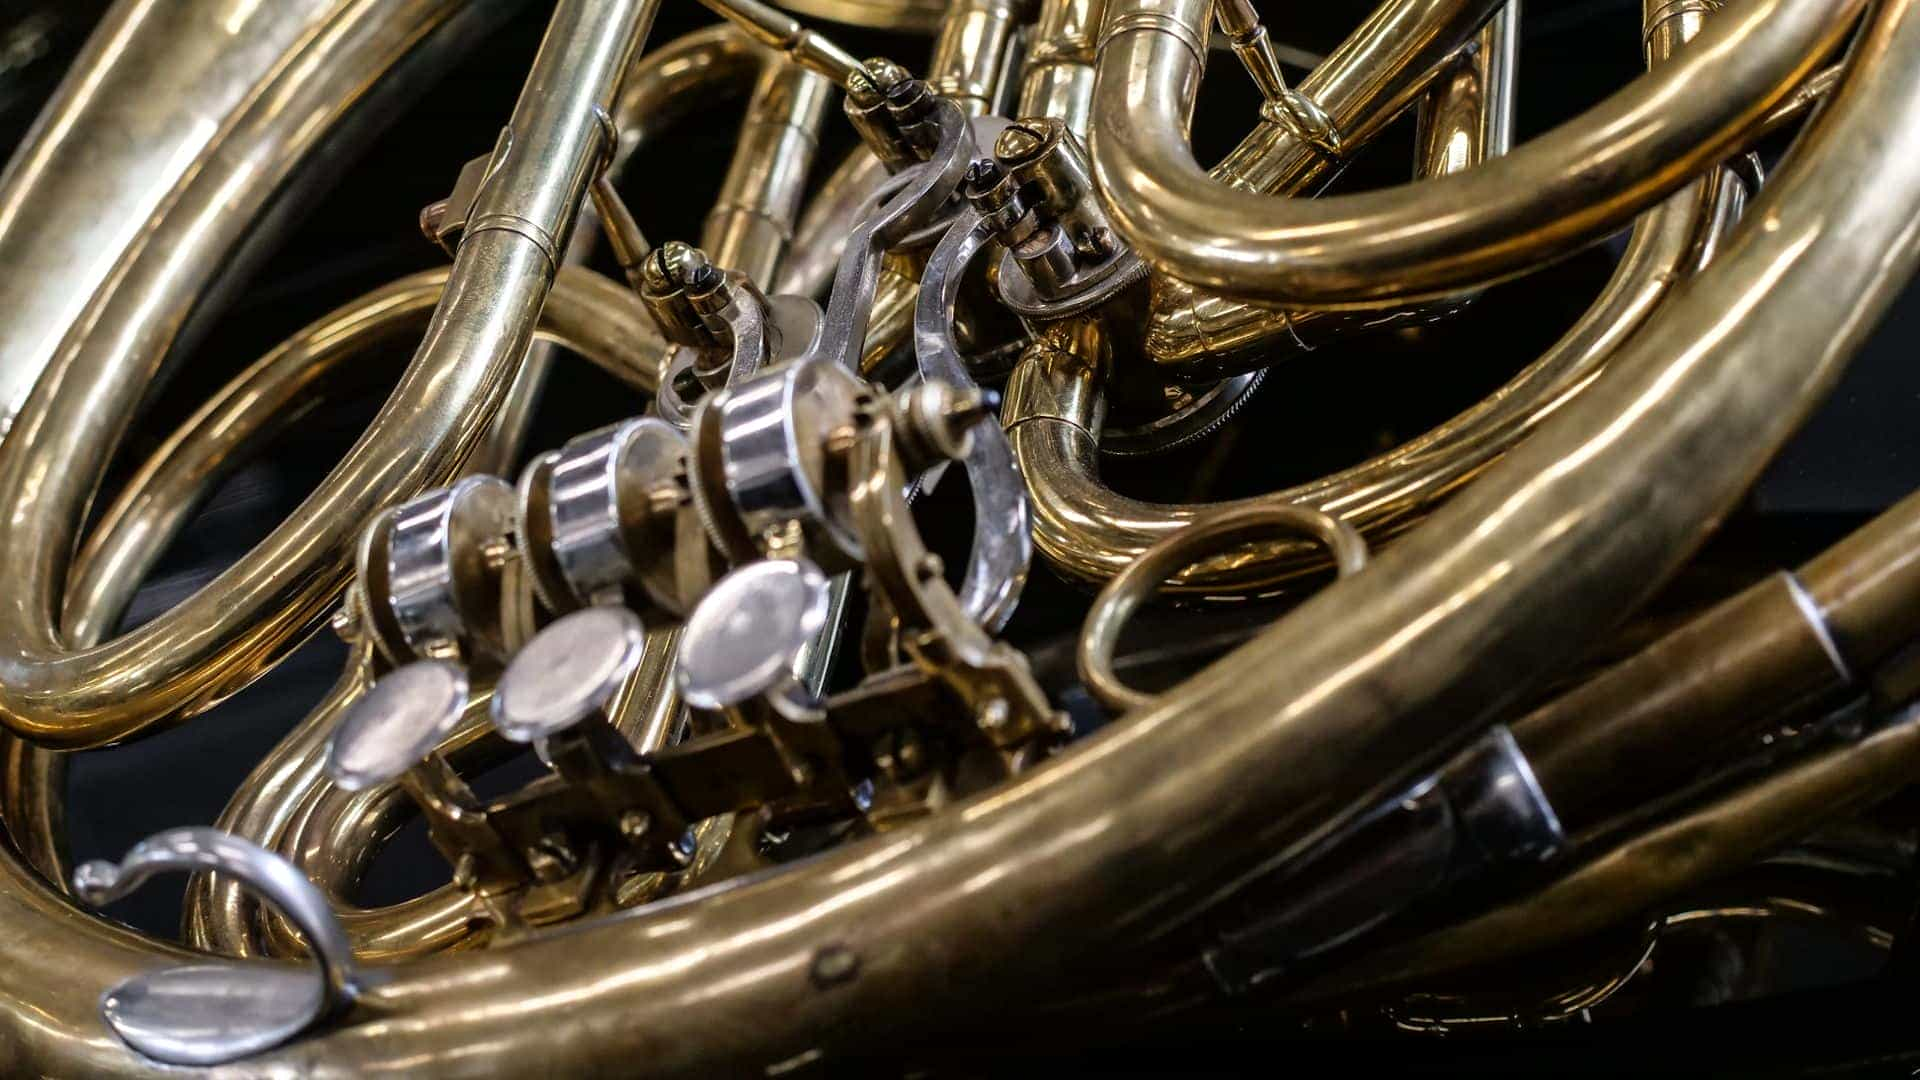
x=1359 y=690
x=228 y=633
x=1090 y=532
x=1466 y=107
x=587 y=313
x=1544 y=200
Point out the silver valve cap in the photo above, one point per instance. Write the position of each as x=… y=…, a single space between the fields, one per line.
x=407 y=713
x=430 y=562
x=568 y=672
x=588 y=524
x=748 y=634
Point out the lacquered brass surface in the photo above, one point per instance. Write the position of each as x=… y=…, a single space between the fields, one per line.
x=802 y=864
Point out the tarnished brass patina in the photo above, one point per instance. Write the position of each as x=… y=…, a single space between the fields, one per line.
x=763 y=836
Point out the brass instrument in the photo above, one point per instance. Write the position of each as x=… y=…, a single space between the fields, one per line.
x=796 y=787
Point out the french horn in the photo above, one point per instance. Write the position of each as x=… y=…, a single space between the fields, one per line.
x=794 y=793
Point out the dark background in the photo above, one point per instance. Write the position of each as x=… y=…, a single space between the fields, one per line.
x=1858 y=454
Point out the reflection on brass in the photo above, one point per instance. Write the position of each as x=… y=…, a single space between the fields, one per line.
x=758 y=831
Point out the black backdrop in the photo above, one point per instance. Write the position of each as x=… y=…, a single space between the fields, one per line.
x=1857 y=455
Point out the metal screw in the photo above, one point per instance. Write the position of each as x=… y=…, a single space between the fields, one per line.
x=1022 y=141
x=995 y=714
x=550 y=858
x=677 y=264
x=833 y=965
x=885 y=76
x=634 y=825
x=684 y=849
x=346 y=621
x=495 y=553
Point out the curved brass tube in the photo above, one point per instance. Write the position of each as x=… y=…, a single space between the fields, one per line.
x=587 y=313
x=605 y=323
x=673 y=80
x=1466 y=116
x=1359 y=690
x=969 y=54
x=218 y=640
x=148 y=99
x=905 y=15
x=1544 y=200
x=33 y=790
x=1090 y=532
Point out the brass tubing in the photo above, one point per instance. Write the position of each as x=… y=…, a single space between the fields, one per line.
x=1379 y=70
x=1058 y=78
x=782 y=33
x=1803 y=100
x=1360 y=689
x=590 y=314
x=1623 y=880
x=653 y=96
x=1866 y=587
x=1758 y=656
x=33 y=789
x=1544 y=200
x=229 y=632
x=679 y=78
x=751 y=223
x=147 y=98
x=333 y=836
x=906 y=16
x=585 y=313
x=219 y=916
x=1090 y=532
x=970 y=53
x=1642 y=726
x=1466 y=117
x=1385 y=65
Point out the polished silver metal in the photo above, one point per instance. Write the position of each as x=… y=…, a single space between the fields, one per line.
x=591 y=483
x=761 y=449
x=567 y=673
x=762 y=331
x=218 y=1011
x=405 y=714
x=750 y=634
x=913 y=200
x=1002 y=550
x=439 y=583
x=1483 y=811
